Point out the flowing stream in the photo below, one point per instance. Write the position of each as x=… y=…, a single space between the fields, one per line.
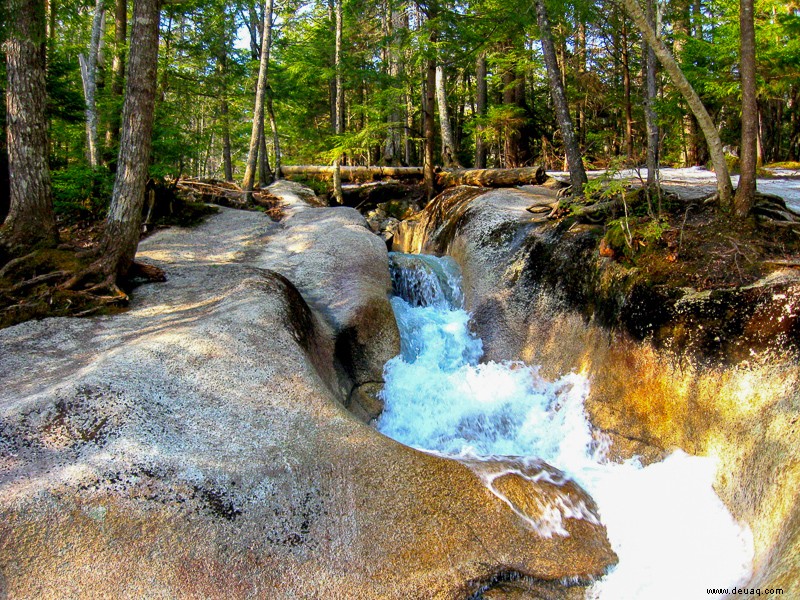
x=674 y=537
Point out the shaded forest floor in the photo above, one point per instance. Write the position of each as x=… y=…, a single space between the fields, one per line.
x=699 y=246
x=31 y=288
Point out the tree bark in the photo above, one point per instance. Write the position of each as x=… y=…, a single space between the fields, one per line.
x=449 y=157
x=51 y=9
x=258 y=110
x=429 y=126
x=118 y=69
x=339 y=104
x=748 y=153
x=574 y=159
x=626 y=85
x=264 y=172
x=395 y=20
x=123 y=223
x=651 y=93
x=581 y=71
x=481 y=94
x=276 y=144
x=724 y=187
x=89 y=77
x=30 y=219
x=224 y=115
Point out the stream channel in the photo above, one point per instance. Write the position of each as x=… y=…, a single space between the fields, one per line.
x=674 y=537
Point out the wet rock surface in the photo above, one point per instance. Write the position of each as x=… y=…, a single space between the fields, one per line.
x=197 y=445
x=713 y=372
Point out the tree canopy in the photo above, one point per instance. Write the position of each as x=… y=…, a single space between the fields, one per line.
x=494 y=98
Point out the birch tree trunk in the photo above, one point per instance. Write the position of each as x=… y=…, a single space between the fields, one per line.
x=30 y=219
x=123 y=223
x=89 y=77
x=574 y=159
x=449 y=157
x=748 y=154
x=258 y=110
x=724 y=187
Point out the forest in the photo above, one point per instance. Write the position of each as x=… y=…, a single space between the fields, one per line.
x=105 y=99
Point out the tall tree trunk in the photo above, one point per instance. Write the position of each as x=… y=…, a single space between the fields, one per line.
x=724 y=187
x=224 y=114
x=255 y=27
x=651 y=92
x=391 y=144
x=449 y=157
x=30 y=219
x=574 y=159
x=118 y=69
x=429 y=126
x=51 y=9
x=123 y=223
x=273 y=124
x=481 y=94
x=511 y=141
x=626 y=86
x=748 y=154
x=581 y=71
x=682 y=28
x=339 y=104
x=264 y=172
x=89 y=77
x=227 y=162
x=258 y=111
x=522 y=135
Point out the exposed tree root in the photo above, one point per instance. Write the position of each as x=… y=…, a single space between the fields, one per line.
x=16 y=262
x=46 y=278
x=147 y=273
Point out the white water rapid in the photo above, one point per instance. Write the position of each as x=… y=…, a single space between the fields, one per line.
x=673 y=536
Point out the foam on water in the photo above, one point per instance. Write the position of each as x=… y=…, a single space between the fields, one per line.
x=672 y=534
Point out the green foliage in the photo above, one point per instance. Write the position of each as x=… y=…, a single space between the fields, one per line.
x=618 y=237
x=607 y=185
x=627 y=236
x=201 y=63
x=653 y=229
x=81 y=193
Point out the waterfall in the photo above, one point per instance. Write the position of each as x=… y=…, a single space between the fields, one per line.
x=674 y=537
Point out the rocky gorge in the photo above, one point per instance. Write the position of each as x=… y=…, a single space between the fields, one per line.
x=214 y=439
x=199 y=444
x=712 y=372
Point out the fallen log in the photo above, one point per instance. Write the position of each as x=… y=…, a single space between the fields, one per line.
x=351 y=173
x=492 y=177
x=445 y=178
